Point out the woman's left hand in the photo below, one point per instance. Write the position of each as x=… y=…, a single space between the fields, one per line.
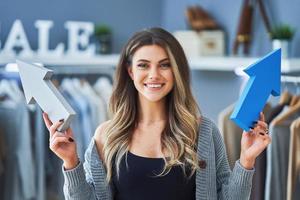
x=254 y=142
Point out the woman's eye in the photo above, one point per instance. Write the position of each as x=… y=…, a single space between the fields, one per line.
x=165 y=65
x=142 y=65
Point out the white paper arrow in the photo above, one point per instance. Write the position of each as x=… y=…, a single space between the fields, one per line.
x=38 y=88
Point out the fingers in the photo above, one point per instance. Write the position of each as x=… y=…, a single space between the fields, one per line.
x=57 y=134
x=47 y=120
x=265 y=137
x=262 y=116
x=69 y=132
x=58 y=138
x=261 y=129
x=261 y=124
x=55 y=126
x=50 y=126
x=53 y=129
x=56 y=141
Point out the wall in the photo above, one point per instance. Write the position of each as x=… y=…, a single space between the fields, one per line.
x=125 y=17
x=227 y=14
x=216 y=90
x=213 y=90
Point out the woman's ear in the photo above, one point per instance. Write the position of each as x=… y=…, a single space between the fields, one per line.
x=129 y=69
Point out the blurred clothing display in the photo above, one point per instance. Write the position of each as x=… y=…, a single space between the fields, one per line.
x=277 y=169
x=232 y=135
x=277 y=159
x=19 y=169
x=282 y=153
x=31 y=171
x=2 y=152
x=294 y=158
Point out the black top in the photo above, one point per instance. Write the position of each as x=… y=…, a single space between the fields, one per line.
x=138 y=181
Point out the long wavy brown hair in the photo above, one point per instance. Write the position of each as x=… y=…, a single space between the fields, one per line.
x=179 y=137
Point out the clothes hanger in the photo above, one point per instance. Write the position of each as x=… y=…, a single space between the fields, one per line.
x=293 y=109
x=16 y=89
x=285 y=97
x=3 y=97
x=295 y=97
x=5 y=88
x=103 y=87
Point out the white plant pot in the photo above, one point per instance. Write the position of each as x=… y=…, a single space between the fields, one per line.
x=284 y=45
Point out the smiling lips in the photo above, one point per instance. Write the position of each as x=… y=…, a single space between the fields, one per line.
x=154 y=86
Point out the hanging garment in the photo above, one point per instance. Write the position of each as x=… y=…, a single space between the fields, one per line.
x=103 y=87
x=40 y=139
x=98 y=114
x=285 y=100
x=294 y=159
x=84 y=113
x=278 y=157
x=275 y=111
x=2 y=151
x=75 y=125
x=232 y=135
x=19 y=166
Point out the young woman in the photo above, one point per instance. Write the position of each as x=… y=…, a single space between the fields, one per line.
x=156 y=145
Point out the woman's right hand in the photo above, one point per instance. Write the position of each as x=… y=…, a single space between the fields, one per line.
x=62 y=144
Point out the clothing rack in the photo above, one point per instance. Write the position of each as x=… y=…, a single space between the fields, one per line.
x=61 y=69
x=290 y=79
x=11 y=70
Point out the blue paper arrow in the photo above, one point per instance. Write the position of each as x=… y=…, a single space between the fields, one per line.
x=264 y=79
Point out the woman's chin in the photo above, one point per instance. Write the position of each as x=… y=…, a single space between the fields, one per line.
x=154 y=98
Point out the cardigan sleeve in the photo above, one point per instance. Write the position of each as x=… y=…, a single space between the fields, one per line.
x=78 y=184
x=88 y=181
x=235 y=184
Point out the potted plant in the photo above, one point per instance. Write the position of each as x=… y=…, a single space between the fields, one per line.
x=281 y=36
x=103 y=34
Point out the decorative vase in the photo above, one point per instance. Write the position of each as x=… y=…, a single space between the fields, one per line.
x=284 y=45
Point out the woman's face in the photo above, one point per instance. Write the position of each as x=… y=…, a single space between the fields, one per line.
x=151 y=73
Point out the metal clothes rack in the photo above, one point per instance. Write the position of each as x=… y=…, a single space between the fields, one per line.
x=71 y=71
x=290 y=79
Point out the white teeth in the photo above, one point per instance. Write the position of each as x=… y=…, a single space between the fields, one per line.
x=154 y=85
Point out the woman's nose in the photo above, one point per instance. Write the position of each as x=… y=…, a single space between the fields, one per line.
x=154 y=73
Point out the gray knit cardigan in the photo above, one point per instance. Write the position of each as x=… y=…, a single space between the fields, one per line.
x=214 y=179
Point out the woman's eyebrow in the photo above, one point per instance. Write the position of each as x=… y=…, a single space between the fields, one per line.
x=143 y=60
x=162 y=60
x=165 y=59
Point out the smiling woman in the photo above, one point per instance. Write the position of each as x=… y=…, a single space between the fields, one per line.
x=156 y=145
x=151 y=73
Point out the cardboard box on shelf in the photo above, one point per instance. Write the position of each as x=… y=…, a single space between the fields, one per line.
x=203 y=43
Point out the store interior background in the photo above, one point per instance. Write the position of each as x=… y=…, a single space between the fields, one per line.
x=214 y=89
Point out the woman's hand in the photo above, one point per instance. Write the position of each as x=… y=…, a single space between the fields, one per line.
x=254 y=142
x=62 y=144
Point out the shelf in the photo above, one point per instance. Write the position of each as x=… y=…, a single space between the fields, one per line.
x=199 y=63
x=231 y=63
x=99 y=60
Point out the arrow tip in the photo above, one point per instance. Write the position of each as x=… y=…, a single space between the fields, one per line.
x=268 y=69
x=31 y=75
